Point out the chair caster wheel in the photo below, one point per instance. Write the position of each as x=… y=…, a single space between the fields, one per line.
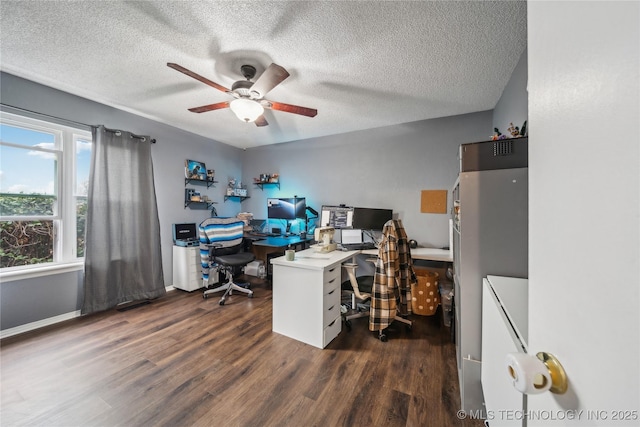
x=383 y=337
x=347 y=323
x=204 y=296
x=221 y=302
x=409 y=328
x=250 y=295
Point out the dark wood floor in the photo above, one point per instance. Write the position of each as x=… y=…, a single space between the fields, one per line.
x=183 y=361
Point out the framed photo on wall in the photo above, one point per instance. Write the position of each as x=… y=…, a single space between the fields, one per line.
x=195 y=170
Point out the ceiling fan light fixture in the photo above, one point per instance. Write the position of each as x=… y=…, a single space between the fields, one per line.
x=246 y=110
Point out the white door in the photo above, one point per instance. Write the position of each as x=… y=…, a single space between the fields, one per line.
x=584 y=164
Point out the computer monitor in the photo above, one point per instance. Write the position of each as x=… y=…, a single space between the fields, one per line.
x=336 y=216
x=371 y=219
x=186 y=231
x=286 y=208
x=301 y=207
x=351 y=236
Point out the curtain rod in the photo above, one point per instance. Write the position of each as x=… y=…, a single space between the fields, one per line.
x=153 y=141
x=118 y=132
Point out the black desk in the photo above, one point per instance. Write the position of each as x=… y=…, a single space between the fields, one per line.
x=266 y=247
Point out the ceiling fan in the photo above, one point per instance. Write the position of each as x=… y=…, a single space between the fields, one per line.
x=249 y=102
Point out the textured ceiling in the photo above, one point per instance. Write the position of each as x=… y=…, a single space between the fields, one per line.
x=361 y=64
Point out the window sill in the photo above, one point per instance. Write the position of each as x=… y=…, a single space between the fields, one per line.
x=30 y=272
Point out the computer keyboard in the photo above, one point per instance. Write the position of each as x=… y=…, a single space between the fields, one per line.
x=359 y=246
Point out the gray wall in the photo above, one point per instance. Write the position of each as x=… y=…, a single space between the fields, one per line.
x=377 y=168
x=385 y=167
x=513 y=106
x=30 y=300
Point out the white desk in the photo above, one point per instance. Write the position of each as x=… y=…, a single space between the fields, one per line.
x=429 y=254
x=432 y=254
x=306 y=292
x=306 y=296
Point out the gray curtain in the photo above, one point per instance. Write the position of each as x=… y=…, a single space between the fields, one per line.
x=123 y=261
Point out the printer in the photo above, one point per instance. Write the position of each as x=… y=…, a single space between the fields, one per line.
x=185 y=234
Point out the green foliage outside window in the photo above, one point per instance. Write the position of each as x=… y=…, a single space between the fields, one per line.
x=29 y=242
x=26 y=243
x=81 y=219
x=26 y=204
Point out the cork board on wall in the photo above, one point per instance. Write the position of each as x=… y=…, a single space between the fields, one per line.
x=433 y=201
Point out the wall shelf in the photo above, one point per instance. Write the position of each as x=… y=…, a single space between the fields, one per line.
x=199 y=203
x=199 y=181
x=262 y=184
x=189 y=202
x=240 y=198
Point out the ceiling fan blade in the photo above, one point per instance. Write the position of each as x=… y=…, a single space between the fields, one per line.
x=210 y=107
x=197 y=77
x=261 y=121
x=272 y=77
x=295 y=109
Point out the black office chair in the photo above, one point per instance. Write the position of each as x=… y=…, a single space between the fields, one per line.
x=358 y=291
x=221 y=249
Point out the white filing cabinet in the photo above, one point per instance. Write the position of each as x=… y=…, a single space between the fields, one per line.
x=187 y=272
x=306 y=296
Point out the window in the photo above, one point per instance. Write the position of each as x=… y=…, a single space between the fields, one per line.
x=44 y=174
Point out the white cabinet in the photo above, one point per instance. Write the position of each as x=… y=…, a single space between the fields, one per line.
x=187 y=273
x=490 y=238
x=504 y=330
x=306 y=296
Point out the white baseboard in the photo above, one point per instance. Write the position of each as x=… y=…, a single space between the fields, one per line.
x=38 y=324
x=28 y=327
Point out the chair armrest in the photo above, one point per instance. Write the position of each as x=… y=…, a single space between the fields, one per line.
x=212 y=249
x=351 y=270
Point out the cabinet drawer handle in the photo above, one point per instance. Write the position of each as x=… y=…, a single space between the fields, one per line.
x=331 y=324
x=330 y=308
x=332 y=280
x=331 y=292
x=332 y=270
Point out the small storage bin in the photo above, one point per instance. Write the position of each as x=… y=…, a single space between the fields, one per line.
x=446 y=300
x=424 y=294
x=254 y=268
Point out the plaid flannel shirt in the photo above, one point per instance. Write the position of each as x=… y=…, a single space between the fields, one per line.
x=391 y=293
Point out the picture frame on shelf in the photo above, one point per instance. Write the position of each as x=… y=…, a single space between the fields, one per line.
x=195 y=170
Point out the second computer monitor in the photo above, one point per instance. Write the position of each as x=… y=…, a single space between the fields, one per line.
x=371 y=219
x=286 y=208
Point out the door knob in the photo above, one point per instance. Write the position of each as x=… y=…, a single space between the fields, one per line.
x=536 y=374
x=559 y=382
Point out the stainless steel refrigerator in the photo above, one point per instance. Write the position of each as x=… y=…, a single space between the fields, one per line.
x=490 y=237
